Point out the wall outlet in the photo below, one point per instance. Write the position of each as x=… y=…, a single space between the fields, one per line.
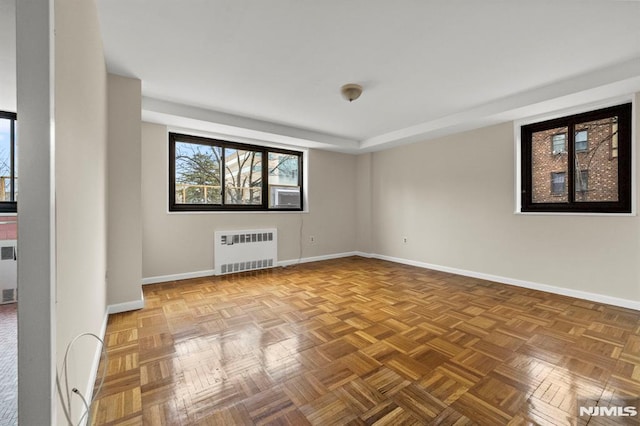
x=312 y=239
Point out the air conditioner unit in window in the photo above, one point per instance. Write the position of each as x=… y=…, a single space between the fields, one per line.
x=285 y=197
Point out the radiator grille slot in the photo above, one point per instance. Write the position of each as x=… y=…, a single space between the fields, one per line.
x=246 y=266
x=239 y=251
x=228 y=240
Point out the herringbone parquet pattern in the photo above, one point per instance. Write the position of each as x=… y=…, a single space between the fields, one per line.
x=361 y=341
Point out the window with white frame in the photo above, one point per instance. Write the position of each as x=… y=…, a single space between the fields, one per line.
x=587 y=169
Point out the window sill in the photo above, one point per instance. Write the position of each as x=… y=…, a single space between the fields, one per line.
x=517 y=212
x=216 y=212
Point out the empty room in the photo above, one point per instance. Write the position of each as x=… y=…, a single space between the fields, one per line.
x=326 y=213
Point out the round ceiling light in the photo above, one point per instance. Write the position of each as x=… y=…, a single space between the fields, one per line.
x=351 y=91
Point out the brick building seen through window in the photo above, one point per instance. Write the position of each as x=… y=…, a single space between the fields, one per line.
x=596 y=162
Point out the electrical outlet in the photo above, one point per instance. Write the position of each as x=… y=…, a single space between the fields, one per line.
x=312 y=239
x=404 y=240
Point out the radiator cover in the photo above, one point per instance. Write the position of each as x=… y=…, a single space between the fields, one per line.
x=245 y=250
x=8 y=271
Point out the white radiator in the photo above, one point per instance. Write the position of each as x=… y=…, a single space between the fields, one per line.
x=238 y=251
x=8 y=271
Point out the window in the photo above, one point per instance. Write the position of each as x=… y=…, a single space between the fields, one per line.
x=8 y=163
x=592 y=176
x=558 y=143
x=614 y=140
x=558 y=183
x=582 y=182
x=582 y=142
x=210 y=175
x=284 y=178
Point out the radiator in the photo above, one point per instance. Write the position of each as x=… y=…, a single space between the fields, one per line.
x=8 y=271
x=238 y=251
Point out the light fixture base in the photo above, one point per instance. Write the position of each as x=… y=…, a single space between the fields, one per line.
x=351 y=91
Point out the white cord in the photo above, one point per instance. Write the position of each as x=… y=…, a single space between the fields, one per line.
x=86 y=406
x=66 y=403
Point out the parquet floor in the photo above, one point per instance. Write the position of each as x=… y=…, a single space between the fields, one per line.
x=8 y=365
x=361 y=341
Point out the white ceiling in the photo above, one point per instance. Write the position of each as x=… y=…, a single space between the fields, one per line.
x=272 y=70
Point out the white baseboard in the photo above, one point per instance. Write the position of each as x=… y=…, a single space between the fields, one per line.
x=291 y=262
x=593 y=297
x=177 y=277
x=363 y=254
x=211 y=272
x=126 y=306
x=111 y=309
x=88 y=394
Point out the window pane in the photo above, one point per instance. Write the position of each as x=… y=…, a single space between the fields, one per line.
x=197 y=174
x=559 y=143
x=284 y=189
x=5 y=159
x=243 y=177
x=596 y=161
x=546 y=162
x=582 y=184
x=614 y=140
x=558 y=183
x=15 y=163
x=582 y=142
x=283 y=169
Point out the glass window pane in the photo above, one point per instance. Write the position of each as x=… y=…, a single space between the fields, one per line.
x=582 y=141
x=283 y=169
x=559 y=142
x=15 y=163
x=614 y=140
x=243 y=177
x=197 y=174
x=549 y=168
x=558 y=183
x=5 y=159
x=581 y=183
x=284 y=187
x=596 y=168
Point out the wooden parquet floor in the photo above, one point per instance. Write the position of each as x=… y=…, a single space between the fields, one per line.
x=360 y=341
x=9 y=365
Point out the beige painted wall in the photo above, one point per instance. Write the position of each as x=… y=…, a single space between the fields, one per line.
x=180 y=243
x=124 y=241
x=363 y=203
x=80 y=172
x=453 y=198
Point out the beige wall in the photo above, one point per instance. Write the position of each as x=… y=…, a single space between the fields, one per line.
x=180 y=243
x=363 y=203
x=453 y=198
x=124 y=254
x=80 y=173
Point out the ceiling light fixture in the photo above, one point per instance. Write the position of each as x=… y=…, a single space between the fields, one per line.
x=351 y=91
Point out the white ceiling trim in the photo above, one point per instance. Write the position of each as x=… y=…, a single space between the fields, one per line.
x=621 y=79
x=618 y=80
x=220 y=123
